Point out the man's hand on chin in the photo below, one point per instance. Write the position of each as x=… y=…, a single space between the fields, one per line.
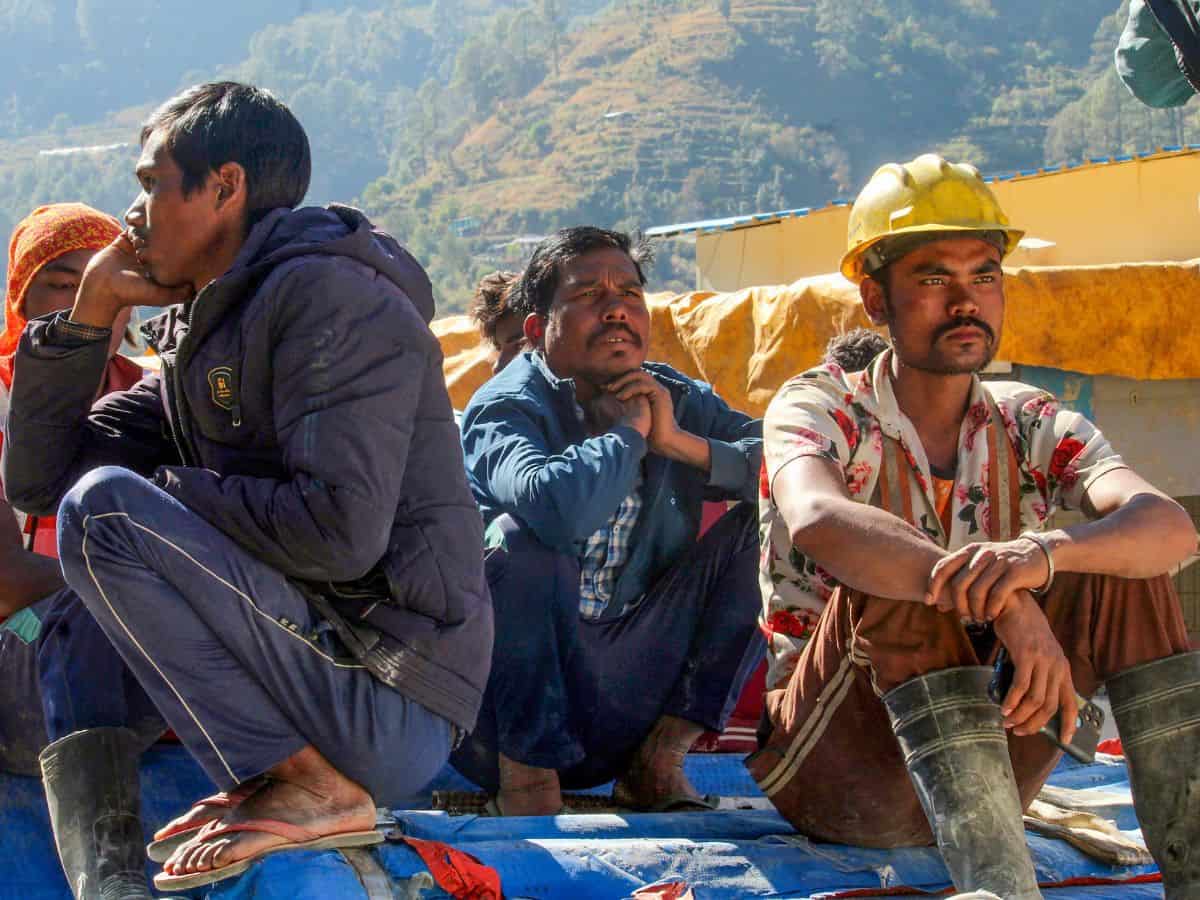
x=115 y=280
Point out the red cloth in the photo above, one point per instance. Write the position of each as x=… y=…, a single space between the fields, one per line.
x=675 y=890
x=1111 y=746
x=40 y=238
x=457 y=873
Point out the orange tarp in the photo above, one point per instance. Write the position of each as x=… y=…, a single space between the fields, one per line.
x=1137 y=321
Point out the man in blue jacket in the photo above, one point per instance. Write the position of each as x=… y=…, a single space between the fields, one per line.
x=619 y=638
x=276 y=532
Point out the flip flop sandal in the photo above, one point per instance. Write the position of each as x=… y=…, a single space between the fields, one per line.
x=297 y=839
x=160 y=849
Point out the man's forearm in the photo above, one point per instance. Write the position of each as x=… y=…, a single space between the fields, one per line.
x=865 y=548
x=1147 y=536
x=689 y=449
x=28 y=577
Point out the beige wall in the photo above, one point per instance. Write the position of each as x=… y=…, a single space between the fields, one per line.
x=1155 y=426
x=1138 y=211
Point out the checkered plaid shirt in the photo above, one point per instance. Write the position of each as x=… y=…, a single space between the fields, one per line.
x=605 y=554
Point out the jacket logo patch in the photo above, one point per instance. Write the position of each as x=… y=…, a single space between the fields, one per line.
x=220 y=382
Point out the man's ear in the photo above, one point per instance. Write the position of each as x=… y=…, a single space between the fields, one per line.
x=874 y=301
x=231 y=186
x=534 y=327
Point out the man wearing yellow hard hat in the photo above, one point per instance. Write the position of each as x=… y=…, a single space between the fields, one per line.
x=908 y=554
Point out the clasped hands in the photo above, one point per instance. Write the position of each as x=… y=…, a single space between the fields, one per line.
x=636 y=399
x=991 y=582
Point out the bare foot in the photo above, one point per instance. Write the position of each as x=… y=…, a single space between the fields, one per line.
x=201 y=813
x=304 y=790
x=527 y=790
x=656 y=772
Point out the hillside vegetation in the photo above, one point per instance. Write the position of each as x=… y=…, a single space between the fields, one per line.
x=464 y=126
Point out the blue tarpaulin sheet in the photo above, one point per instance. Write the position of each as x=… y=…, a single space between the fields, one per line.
x=723 y=855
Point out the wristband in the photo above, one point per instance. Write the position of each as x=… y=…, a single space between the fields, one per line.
x=1041 y=541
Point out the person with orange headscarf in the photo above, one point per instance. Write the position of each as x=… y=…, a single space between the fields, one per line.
x=59 y=674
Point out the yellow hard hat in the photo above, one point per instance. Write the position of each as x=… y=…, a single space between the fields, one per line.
x=926 y=195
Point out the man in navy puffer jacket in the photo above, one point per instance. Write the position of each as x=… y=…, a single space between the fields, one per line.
x=276 y=532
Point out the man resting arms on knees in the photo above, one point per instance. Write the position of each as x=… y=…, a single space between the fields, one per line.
x=277 y=533
x=619 y=639
x=905 y=546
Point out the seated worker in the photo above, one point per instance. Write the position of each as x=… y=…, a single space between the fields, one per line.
x=619 y=638
x=277 y=533
x=59 y=675
x=499 y=324
x=912 y=498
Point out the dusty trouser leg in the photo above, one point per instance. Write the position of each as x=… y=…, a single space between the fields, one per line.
x=91 y=782
x=833 y=765
x=954 y=746
x=578 y=696
x=721 y=577
x=537 y=693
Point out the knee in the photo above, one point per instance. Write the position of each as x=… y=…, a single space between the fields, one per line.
x=99 y=491
x=521 y=570
x=104 y=490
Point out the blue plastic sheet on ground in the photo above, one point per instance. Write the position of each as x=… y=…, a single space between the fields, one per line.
x=722 y=855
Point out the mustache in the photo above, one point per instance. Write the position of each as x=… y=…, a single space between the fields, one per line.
x=965 y=322
x=611 y=330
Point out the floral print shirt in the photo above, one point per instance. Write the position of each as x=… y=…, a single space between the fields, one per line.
x=843 y=418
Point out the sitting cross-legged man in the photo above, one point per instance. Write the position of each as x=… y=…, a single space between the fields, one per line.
x=906 y=544
x=276 y=532
x=61 y=681
x=619 y=637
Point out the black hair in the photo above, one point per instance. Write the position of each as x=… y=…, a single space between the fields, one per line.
x=211 y=124
x=855 y=350
x=491 y=302
x=535 y=291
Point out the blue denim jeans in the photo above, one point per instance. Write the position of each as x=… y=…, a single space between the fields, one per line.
x=579 y=695
x=229 y=650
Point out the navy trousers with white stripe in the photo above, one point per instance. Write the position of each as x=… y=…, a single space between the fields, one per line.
x=229 y=650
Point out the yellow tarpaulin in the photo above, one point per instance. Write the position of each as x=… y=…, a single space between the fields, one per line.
x=1138 y=321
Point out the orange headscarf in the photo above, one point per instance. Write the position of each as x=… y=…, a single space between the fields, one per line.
x=42 y=237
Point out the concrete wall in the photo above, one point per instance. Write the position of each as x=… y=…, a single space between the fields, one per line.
x=1142 y=210
x=1155 y=425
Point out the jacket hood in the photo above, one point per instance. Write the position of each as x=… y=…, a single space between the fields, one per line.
x=335 y=231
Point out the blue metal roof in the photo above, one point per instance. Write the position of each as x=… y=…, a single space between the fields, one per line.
x=733 y=223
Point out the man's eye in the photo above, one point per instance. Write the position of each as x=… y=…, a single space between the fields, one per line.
x=935 y=281
x=985 y=279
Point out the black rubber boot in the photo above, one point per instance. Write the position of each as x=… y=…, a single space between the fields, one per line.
x=1157 y=709
x=956 y=752
x=91 y=781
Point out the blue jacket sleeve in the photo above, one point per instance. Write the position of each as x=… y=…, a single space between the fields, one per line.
x=349 y=358
x=562 y=497
x=54 y=434
x=735 y=446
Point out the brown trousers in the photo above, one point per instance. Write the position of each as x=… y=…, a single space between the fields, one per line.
x=832 y=765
